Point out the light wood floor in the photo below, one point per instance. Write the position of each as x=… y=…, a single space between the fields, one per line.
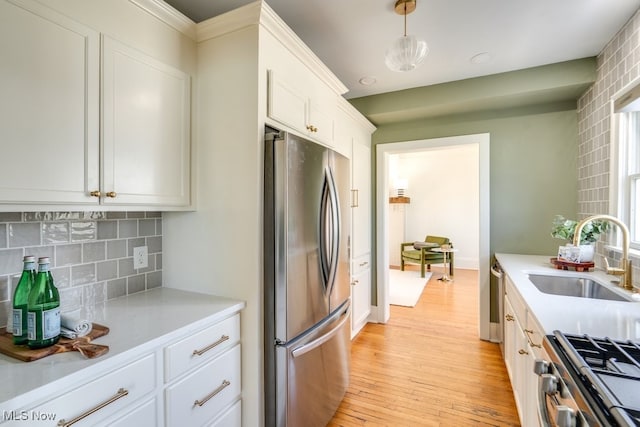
x=427 y=366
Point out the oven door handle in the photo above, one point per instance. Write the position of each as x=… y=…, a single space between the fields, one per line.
x=543 y=413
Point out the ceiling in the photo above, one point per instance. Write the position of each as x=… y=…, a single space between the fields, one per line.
x=351 y=36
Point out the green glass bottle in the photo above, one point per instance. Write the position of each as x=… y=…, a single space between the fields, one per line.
x=21 y=298
x=43 y=309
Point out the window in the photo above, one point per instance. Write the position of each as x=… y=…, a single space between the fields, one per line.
x=625 y=166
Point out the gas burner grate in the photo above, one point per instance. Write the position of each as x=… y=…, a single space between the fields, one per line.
x=604 y=354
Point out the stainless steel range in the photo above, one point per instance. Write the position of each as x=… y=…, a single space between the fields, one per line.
x=589 y=382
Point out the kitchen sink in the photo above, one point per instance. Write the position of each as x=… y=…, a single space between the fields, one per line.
x=574 y=287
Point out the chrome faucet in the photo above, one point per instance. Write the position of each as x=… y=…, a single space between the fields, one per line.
x=625 y=265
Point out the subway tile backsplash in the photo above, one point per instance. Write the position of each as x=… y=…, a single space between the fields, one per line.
x=91 y=253
x=617 y=65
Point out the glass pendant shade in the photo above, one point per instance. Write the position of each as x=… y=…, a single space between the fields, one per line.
x=406 y=53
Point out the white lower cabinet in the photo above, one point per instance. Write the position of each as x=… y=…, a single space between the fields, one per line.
x=232 y=417
x=360 y=293
x=95 y=402
x=522 y=345
x=205 y=394
x=200 y=347
x=145 y=414
x=196 y=383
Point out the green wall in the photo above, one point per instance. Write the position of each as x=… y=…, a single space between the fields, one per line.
x=533 y=173
x=532 y=120
x=533 y=155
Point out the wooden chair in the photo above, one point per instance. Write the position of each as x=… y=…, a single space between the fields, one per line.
x=420 y=253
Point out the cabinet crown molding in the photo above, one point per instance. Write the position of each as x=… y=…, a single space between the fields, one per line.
x=260 y=13
x=354 y=114
x=168 y=15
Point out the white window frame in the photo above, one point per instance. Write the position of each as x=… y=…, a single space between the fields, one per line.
x=624 y=181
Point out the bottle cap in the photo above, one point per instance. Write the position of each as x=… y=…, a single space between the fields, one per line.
x=29 y=258
x=44 y=260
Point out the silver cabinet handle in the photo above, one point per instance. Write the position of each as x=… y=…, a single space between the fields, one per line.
x=119 y=395
x=364 y=263
x=224 y=385
x=210 y=346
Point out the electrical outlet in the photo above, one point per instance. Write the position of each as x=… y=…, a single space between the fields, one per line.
x=140 y=257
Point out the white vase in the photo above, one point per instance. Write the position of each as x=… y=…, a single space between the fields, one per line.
x=582 y=253
x=587 y=252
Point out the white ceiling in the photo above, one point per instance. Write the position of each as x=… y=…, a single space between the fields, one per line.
x=351 y=36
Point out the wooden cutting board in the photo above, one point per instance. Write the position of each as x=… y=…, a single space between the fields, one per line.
x=82 y=345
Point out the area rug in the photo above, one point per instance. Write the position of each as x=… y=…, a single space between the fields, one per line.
x=405 y=287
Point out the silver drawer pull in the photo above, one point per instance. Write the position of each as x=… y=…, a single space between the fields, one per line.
x=210 y=346
x=362 y=264
x=224 y=385
x=120 y=394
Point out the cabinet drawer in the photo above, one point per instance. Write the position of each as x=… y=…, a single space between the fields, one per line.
x=360 y=264
x=519 y=307
x=145 y=414
x=119 y=388
x=231 y=418
x=203 y=395
x=534 y=335
x=200 y=347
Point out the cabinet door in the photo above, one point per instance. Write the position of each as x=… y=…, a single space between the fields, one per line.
x=361 y=203
x=510 y=340
x=49 y=109
x=360 y=294
x=146 y=129
x=321 y=120
x=287 y=103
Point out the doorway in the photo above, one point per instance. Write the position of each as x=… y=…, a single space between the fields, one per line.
x=384 y=152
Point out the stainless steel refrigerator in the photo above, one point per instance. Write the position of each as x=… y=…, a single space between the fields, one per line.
x=306 y=280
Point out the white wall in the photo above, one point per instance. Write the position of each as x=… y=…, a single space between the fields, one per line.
x=444 y=191
x=397 y=220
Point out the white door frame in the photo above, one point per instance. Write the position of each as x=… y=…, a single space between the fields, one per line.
x=383 y=151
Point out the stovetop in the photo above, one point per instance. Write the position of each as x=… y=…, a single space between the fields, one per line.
x=610 y=370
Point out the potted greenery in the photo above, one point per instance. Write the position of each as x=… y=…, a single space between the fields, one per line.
x=565 y=229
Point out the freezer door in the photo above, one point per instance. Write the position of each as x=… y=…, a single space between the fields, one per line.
x=317 y=373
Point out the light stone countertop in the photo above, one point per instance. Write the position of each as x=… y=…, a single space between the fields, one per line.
x=138 y=323
x=599 y=318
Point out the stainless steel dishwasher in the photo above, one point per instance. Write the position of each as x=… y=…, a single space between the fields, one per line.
x=497 y=328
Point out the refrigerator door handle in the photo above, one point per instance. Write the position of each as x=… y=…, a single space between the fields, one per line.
x=329 y=230
x=323 y=339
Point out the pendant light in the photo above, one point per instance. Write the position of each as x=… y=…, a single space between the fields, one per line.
x=408 y=51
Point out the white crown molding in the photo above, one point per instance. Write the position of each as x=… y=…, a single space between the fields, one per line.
x=169 y=15
x=260 y=13
x=354 y=114
x=228 y=22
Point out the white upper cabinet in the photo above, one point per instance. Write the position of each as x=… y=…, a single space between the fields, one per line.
x=86 y=125
x=145 y=129
x=302 y=103
x=361 y=183
x=49 y=81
